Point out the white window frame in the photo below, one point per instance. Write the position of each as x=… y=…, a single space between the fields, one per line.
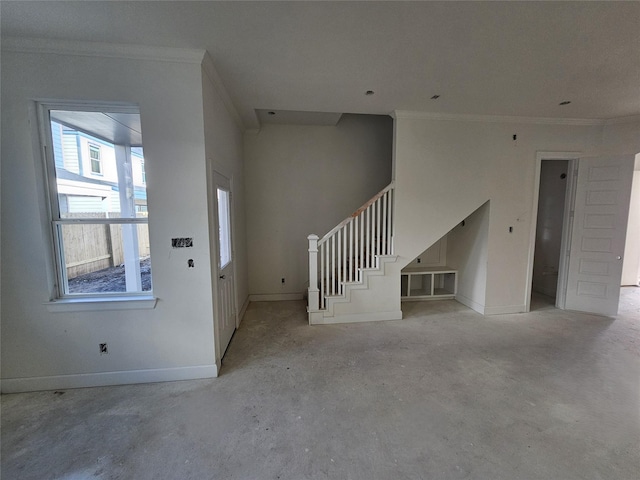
x=95 y=148
x=94 y=300
x=225 y=245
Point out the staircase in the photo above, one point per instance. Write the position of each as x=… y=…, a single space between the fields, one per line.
x=353 y=275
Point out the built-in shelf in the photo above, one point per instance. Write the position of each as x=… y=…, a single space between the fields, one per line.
x=430 y=283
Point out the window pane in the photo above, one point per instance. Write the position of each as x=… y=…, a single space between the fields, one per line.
x=103 y=258
x=95 y=177
x=94 y=154
x=224 y=227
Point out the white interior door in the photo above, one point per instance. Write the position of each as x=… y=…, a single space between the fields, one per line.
x=226 y=298
x=599 y=230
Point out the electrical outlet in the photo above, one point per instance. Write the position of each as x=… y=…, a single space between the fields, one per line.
x=104 y=350
x=282 y=279
x=419 y=260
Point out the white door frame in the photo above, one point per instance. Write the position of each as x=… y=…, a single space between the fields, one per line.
x=214 y=176
x=567 y=222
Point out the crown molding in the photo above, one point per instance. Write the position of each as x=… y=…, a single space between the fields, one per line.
x=212 y=74
x=496 y=118
x=133 y=52
x=105 y=50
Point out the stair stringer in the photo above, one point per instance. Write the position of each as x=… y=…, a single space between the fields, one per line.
x=376 y=298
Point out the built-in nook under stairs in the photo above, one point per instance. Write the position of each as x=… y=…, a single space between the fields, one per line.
x=352 y=269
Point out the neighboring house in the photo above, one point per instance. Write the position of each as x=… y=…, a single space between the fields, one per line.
x=87 y=175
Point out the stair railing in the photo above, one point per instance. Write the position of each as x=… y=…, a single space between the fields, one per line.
x=353 y=245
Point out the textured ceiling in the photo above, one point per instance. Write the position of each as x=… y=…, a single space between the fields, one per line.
x=491 y=58
x=117 y=128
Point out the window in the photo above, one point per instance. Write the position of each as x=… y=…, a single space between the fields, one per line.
x=94 y=155
x=224 y=227
x=144 y=173
x=100 y=225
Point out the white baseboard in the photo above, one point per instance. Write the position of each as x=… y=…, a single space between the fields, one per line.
x=275 y=297
x=359 y=317
x=428 y=298
x=58 y=382
x=471 y=304
x=505 y=310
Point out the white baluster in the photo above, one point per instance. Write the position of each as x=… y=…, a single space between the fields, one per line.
x=366 y=242
x=367 y=247
x=344 y=257
x=361 y=237
x=351 y=250
x=389 y=223
x=322 y=279
x=339 y=261
x=359 y=245
x=374 y=226
x=333 y=265
x=314 y=304
x=378 y=232
x=378 y=226
x=390 y=232
x=328 y=278
x=383 y=236
x=372 y=239
x=367 y=254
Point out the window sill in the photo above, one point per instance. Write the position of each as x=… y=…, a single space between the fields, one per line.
x=94 y=304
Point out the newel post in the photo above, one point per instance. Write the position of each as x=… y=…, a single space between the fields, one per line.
x=314 y=293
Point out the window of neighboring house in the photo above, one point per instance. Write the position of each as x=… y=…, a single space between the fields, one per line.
x=100 y=235
x=144 y=174
x=96 y=163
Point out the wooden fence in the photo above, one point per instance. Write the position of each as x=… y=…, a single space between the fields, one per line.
x=92 y=247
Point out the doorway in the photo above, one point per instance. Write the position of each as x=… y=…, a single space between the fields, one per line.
x=596 y=206
x=554 y=181
x=631 y=258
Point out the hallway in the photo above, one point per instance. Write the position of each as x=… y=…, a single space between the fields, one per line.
x=445 y=393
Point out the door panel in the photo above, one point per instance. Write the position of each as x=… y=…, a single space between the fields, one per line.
x=225 y=283
x=599 y=231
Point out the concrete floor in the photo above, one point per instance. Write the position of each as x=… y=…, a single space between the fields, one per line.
x=443 y=394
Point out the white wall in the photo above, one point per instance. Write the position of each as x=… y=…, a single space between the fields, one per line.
x=302 y=180
x=434 y=256
x=174 y=340
x=550 y=219
x=224 y=152
x=467 y=253
x=446 y=168
x=620 y=138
